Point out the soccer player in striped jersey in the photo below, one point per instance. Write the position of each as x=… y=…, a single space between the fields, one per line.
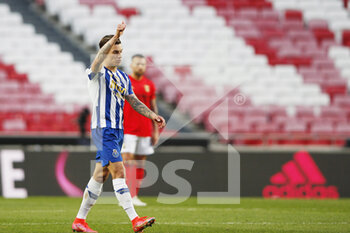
x=109 y=88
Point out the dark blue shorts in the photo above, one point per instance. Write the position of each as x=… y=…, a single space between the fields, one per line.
x=109 y=142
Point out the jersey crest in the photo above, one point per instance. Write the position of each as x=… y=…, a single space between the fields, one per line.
x=147 y=88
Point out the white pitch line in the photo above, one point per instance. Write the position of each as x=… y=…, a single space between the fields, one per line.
x=36 y=211
x=190 y=223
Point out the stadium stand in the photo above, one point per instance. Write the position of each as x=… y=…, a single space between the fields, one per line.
x=298 y=36
x=287 y=57
x=31 y=15
x=34 y=93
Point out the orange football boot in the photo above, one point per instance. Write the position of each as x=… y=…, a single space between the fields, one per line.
x=140 y=223
x=80 y=225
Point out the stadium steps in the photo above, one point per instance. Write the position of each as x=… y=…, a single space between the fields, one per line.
x=42 y=26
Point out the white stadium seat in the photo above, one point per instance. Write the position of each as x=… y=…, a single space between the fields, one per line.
x=68 y=15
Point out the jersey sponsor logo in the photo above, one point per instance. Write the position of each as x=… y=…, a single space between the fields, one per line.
x=117 y=90
x=147 y=88
x=300 y=178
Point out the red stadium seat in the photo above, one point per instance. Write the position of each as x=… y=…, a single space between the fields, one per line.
x=240 y=24
x=92 y=3
x=128 y=12
x=288 y=25
x=250 y=111
x=263 y=5
x=304 y=112
x=274 y=111
x=300 y=34
x=269 y=14
x=267 y=128
x=341 y=100
x=272 y=33
x=248 y=33
x=239 y=127
x=290 y=53
x=325 y=44
x=318 y=24
x=241 y=4
x=247 y=13
x=314 y=80
x=236 y=110
x=315 y=53
x=323 y=34
x=293 y=15
x=311 y=74
x=281 y=120
x=323 y=64
x=227 y=13
x=322 y=128
x=330 y=74
x=335 y=87
x=343 y=128
x=193 y=3
x=346 y=38
x=294 y=127
x=307 y=45
x=331 y=111
x=255 y=120
x=307 y=119
x=264 y=24
x=218 y=3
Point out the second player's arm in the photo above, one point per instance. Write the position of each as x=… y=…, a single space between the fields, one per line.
x=155 y=133
x=142 y=109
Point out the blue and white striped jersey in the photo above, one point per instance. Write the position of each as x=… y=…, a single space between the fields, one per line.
x=107 y=92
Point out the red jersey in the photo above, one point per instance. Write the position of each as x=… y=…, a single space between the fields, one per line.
x=135 y=123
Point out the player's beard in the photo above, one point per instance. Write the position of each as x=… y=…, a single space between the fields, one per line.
x=140 y=73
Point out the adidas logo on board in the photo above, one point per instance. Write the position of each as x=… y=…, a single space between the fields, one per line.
x=299 y=178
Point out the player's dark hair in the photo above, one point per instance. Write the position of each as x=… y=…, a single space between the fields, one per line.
x=138 y=55
x=105 y=39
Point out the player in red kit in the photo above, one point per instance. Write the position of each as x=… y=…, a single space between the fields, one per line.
x=140 y=133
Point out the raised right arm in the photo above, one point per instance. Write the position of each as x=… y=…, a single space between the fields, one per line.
x=102 y=53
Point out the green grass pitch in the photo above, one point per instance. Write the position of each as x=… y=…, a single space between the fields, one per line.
x=55 y=214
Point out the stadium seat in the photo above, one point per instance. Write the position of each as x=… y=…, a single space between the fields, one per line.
x=343 y=128
x=294 y=127
x=293 y=15
x=237 y=128
x=322 y=128
x=318 y=24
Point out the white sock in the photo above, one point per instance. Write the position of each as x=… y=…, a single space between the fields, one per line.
x=91 y=193
x=123 y=195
